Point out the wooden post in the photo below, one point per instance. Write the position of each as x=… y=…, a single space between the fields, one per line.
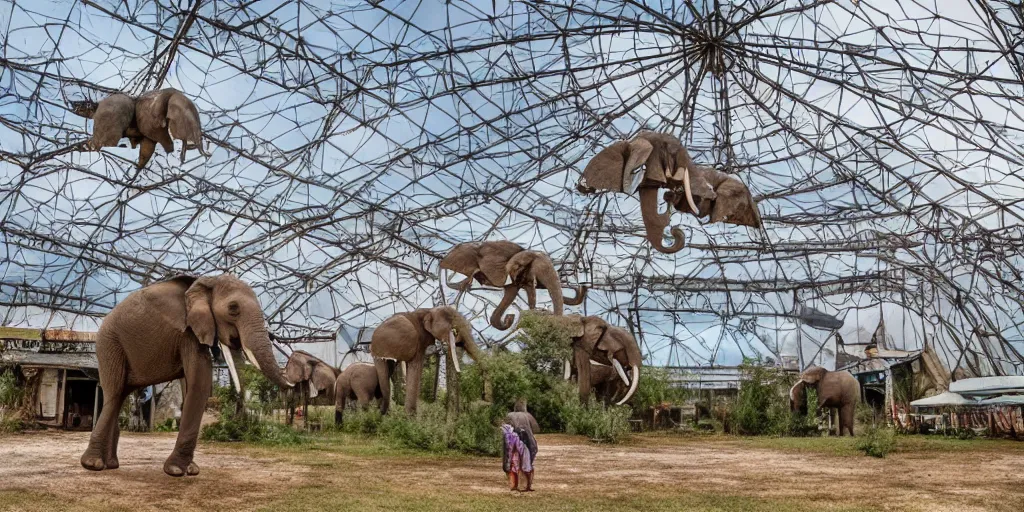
x=305 y=407
x=437 y=376
x=152 y=408
x=452 y=392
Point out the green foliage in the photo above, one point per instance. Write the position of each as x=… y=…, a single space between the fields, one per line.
x=362 y=422
x=251 y=429
x=167 y=426
x=655 y=388
x=600 y=424
x=264 y=395
x=762 y=407
x=877 y=441
x=245 y=427
x=473 y=432
x=961 y=433
x=546 y=342
x=10 y=393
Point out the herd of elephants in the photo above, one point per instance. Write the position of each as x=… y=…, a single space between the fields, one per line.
x=169 y=330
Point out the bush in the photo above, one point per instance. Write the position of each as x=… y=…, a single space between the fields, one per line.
x=167 y=426
x=761 y=407
x=600 y=424
x=546 y=342
x=877 y=441
x=10 y=402
x=961 y=433
x=250 y=429
x=655 y=388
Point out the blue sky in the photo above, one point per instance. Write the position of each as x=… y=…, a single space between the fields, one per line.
x=425 y=148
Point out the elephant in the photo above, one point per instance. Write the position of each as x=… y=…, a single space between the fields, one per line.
x=698 y=190
x=163 y=332
x=305 y=368
x=163 y=114
x=504 y=264
x=835 y=390
x=608 y=345
x=152 y=118
x=606 y=383
x=404 y=337
x=357 y=381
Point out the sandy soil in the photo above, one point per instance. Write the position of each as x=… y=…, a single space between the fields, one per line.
x=47 y=462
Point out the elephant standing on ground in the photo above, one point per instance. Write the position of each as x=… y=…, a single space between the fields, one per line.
x=593 y=338
x=835 y=390
x=405 y=337
x=164 y=332
x=307 y=370
x=357 y=381
x=606 y=383
x=695 y=189
x=503 y=264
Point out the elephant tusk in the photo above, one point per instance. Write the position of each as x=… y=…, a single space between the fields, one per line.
x=404 y=370
x=632 y=388
x=508 y=280
x=688 y=192
x=567 y=371
x=451 y=351
x=793 y=389
x=312 y=390
x=231 y=367
x=621 y=372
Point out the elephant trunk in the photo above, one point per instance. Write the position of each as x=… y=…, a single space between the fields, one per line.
x=655 y=223
x=256 y=344
x=505 y=323
x=548 y=278
x=798 y=398
x=581 y=295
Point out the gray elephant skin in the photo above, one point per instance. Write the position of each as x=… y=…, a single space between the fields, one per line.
x=835 y=390
x=163 y=332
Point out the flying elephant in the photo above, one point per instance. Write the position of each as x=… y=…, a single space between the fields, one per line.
x=608 y=345
x=156 y=117
x=357 y=381
x=835 y=390
x=695 y=189
x=504 y=264
x=165 y=331
x=405 y=337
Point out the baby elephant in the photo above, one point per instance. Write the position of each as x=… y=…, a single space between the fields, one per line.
x=358 y=381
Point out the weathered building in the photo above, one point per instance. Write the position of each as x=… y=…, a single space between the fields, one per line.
x=59 y=372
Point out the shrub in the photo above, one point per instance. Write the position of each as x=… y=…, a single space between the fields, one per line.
x=655 y=388
x=167 y=426
x=250 y=429
x=362 y=422
x=600 y=424
x=546 y=342
x=961 y=433
x=10 y=402
x=761 y=407
x=877 y=441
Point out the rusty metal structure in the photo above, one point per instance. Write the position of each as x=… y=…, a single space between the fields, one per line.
x=352 y=145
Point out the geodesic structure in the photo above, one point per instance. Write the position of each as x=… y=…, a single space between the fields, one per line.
x=353 y=144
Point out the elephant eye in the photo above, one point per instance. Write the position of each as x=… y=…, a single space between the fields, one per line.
x=233 y=308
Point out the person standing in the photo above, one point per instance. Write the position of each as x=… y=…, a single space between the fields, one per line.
x=519 y=449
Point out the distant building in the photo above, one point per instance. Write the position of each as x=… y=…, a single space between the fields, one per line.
x=59 y=369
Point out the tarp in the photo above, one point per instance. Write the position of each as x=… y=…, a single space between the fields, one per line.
x=1004 y=400
x=945 y=399
x=981 y=386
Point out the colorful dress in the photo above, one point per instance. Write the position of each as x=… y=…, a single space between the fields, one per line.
x=515 y=455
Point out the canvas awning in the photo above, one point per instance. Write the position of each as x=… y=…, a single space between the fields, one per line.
x=981 y=386
x=1003 y=400
x=945 y=399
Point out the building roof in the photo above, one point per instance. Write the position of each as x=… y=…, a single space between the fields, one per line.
x=883 y=360
x=52 y=335
x=51 y=359
x=944 y=399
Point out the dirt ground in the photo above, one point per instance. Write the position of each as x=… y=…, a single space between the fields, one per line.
x=40 y=471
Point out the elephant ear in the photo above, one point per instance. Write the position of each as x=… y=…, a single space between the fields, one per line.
x=518 y=263
x=438 y=322
x=199 y=310
x=735 y=205
x=323 y=376
x=613 y=167
x=463 y=258
x=593 y=329
x=110 y=121
x=493 y=257
x=813 y=374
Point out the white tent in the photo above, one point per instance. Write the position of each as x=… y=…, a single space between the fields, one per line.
x=1003 y=400
x=988 y=385
x=945 y=399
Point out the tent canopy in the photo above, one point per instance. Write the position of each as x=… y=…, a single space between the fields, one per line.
x=945 y=399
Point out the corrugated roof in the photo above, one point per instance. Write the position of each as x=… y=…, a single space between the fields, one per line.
x=57 y=360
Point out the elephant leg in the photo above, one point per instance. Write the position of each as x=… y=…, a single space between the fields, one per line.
x=846 y=418
x=531 y=295
x=363 y=397
x=198 y=365
x=115 y=434
x=339 y=406
x=384 y=381
x=112 y=382
x=412 y=384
